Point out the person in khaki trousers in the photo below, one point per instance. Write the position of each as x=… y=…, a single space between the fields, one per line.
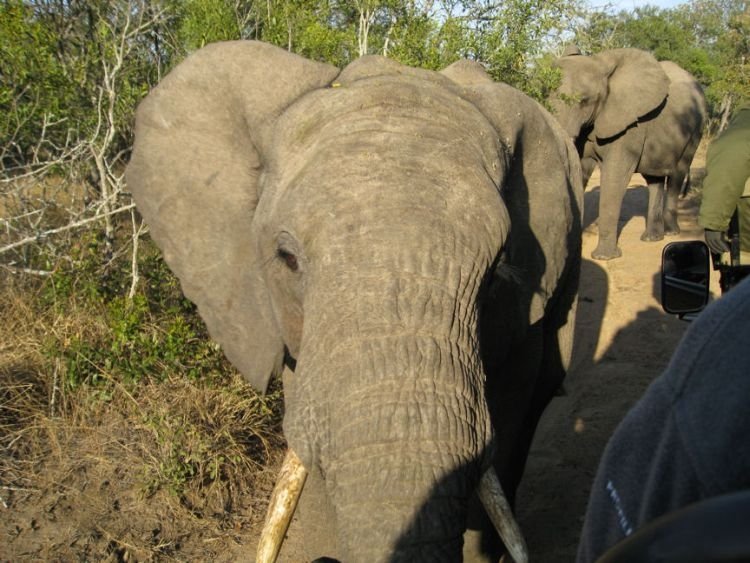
x=725 y=204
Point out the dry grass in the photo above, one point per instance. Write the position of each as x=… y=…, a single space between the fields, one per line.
x=154 y=470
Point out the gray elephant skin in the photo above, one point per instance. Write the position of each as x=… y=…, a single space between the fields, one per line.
x=629 y=113
x=408 y=241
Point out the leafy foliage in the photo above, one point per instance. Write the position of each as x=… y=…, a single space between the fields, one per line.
x=36 y=90
x=206 y=21
x=56 y=59
x=154 y=335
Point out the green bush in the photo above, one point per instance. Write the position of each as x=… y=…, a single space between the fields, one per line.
x=153 y=335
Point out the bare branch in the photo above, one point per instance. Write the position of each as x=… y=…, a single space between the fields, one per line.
x=135 y=274
x=71 y=226
x=29 y=271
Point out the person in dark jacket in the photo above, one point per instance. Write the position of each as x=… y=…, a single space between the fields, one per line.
x=688 y=437
x=726 y=189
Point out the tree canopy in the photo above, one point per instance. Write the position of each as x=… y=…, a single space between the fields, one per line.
x=73 y=71
x=709 y=38
x=57 y=55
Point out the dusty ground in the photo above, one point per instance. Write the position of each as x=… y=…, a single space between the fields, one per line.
x=623 y=341
x=88 y=507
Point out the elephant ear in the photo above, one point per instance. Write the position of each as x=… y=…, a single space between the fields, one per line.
x=194 y=172
x=542 y=190
x=637 y=86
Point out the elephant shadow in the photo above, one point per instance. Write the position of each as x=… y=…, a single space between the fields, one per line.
x=634 y=204
x=592 y=302
x=610 y=372
x=590 y=312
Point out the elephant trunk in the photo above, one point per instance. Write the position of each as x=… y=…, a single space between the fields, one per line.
x=387 y=399
x=403 y=443
x=412 y=479
x=292 y=478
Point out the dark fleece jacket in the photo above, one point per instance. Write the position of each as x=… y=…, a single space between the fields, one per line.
x=687 y=438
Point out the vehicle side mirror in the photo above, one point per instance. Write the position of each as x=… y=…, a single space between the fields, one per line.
x=685 y=276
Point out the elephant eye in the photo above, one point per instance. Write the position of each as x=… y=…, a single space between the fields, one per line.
x=289 y=259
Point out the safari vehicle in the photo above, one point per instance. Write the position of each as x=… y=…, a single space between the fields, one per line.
x=714 y=529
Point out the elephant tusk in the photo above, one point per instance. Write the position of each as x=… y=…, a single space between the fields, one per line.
x=498 y=509
x=281 y=507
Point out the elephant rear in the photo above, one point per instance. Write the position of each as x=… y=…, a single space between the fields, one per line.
x=675 y=133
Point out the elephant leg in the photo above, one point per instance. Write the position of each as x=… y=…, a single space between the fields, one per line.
x=588 y=165
x=655 y=214
x=616 y=173
x=674 y=189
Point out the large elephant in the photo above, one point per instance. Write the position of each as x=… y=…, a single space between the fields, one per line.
x=629 y=113
x=408 y=241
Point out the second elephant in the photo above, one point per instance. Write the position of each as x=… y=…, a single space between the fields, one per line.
x=629 y=113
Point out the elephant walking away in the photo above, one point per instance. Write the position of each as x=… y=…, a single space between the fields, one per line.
x=629 y=113
x=410 y=241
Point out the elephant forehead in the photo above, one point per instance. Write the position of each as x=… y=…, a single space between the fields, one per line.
x=581 y=73
x=393 y=109
x=386 y=129
x=391 y=155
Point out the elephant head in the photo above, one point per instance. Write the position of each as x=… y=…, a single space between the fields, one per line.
x=354 y=221
x=609 y=92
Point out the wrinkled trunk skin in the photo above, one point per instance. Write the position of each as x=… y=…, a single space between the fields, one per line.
x=389 y=406
x=405 y=488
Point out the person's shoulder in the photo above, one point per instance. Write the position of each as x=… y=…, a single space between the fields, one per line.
x=728 y=314
x=732 y=144
x=732 y=308
x=718 y=341
x=710 y=406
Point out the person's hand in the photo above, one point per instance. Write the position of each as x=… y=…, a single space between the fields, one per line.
x=716 y=241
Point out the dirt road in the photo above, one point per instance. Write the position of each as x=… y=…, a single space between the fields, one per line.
x=623 y=341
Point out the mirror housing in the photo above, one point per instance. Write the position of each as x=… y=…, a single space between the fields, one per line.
x=685 y=276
